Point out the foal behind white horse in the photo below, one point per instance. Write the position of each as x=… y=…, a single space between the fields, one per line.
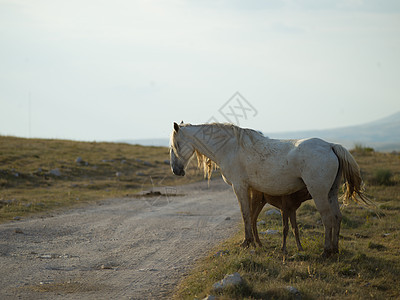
x=275 y=167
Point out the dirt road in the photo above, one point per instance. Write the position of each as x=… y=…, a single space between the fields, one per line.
x=131 y=248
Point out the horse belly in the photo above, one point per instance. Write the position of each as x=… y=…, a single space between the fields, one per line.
x=276 y=184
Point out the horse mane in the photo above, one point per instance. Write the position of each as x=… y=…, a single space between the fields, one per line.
x=208 y=165
x=203 y=162
x=173 y=143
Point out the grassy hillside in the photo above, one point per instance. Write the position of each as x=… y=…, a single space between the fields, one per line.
x=368 y=265
x=38 y=175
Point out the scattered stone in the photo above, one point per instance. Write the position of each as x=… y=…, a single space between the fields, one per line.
x=299 y=257
x=123 y=162
x=272 y=212
x=269 y=231
x=361 y=236
x=148 y=164
x=385 y=234
x=55 y=172
x=107 y=160
x=167 y=162
x=46 y=282
x=48 y=256
x=138 y=160
x=292 y=290
x=227 y=218
x=221 y=253
x=118 y=174
x=262 y=222
x=7 y=202
x=210 y=297
x=231 y=280
x=17 y=218
x=140 y=174
x=18 y=230
x=106 y=267
x=147 y=270
x=80 y=161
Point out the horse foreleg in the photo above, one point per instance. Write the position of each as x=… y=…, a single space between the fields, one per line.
x=243 y=198
x=295 y=229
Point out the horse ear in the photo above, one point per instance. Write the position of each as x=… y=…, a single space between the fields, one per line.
x=176 y=127
x=181 y=122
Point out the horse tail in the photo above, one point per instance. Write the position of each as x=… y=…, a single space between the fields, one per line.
x=354 y=185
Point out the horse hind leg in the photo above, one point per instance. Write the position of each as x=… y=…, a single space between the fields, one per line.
x=333 y=201
x=321 y=200
x=320 y=188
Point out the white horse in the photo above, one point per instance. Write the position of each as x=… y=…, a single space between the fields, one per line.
x=247 y=160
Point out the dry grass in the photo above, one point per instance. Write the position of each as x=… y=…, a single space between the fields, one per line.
x=368 y=265
x=27 y=186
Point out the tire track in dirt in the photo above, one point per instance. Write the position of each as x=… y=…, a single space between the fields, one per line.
x=120 y=248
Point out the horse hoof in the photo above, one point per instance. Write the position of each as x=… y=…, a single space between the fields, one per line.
x=326 y=254
x=246 y=244
x=329 y=253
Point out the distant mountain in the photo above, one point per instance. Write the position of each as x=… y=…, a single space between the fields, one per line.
x=382 y=135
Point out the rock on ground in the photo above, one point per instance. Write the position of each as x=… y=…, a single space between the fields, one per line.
x=230 y=280
x=55 y=172
x=292 y=290
x=272 y=212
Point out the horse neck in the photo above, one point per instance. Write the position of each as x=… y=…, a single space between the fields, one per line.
x=209 y=141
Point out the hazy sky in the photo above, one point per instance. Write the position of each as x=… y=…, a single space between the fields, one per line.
x=109 y=70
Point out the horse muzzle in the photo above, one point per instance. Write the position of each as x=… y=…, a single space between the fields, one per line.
x=178 y=172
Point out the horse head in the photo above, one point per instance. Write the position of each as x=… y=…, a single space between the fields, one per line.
x=181 y=151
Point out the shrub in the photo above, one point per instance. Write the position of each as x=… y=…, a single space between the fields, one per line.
x=361 y=149
x=383 y=177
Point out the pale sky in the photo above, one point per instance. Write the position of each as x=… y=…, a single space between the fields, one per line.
x=109 y=70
